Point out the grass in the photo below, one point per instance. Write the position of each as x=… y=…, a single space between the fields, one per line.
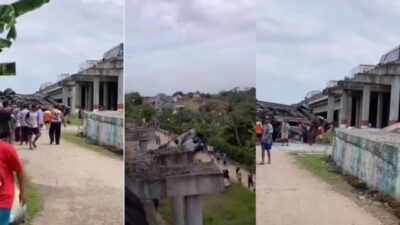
x=73 y=120
x=317 y=165
x=81 y=141
x=235 y=207
x=35 y=204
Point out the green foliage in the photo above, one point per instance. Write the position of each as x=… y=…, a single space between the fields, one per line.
x=327 y=139
x=35 y=204
x=233 y=133
x=244 y=156
x=317 y=165
x=8 y=20
x=235 y=207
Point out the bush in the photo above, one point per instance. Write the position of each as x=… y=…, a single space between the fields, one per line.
x=327 y=139
x=244 y=156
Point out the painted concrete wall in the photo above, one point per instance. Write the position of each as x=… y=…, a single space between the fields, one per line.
x=374 y=162
x=105 y=128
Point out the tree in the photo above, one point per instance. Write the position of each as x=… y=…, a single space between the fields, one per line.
x=8 y=20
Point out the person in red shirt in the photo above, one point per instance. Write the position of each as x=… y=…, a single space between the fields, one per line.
x=10 y=164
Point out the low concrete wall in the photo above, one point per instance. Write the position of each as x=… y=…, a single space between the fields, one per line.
x=369 y=158
x=105 y=128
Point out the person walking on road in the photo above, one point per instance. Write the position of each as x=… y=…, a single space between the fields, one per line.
x=24 y=125
x=10 y=164
x=259 y=130
x=33 y=121
x=285 y=132
x=47 y=118
x=266 y=141
x=5 y=123
x=57 y=118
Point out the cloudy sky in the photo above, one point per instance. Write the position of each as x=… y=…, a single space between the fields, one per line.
x=181 y=45
x=300 y=47
x=58 y=37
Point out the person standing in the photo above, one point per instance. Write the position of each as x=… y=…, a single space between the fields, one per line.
x=224 y=158
x=10 y=164
x=41 y=116
x=17 y=130
x=5 y=122
x=250 y=183
x=47 y=118
x=24 y=125
x=285 y=132
x=57 y=118
x=33 y=121
x=259 y=132
x=266 y=141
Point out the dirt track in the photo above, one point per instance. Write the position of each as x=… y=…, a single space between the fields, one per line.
x=287 y=194
x=78 y=186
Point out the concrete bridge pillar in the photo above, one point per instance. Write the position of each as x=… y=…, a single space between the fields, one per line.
x=90 y=97
x=379 y=114
x=331 y=108
x=349 y=110
x=65 y=95
x=358 y=106
x=177 y=210
x=96 y=94
x=73 y=99
x=365 y=106
x=193 y=210
x=105 y=95
x=343 y=110
x=394 y=101
x=121 y=91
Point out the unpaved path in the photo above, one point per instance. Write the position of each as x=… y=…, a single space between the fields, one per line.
x=78 y=186
x=287 y=194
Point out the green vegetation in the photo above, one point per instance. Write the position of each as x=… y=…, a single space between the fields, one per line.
x=73 y=120
x=8 y=20
x=81 y=141
x=327 y=139
x=235 y=207
x=226 y=120
x=35 y=204
x=317 y=165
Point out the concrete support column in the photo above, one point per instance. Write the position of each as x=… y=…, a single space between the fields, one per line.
x=77 y=96
x=86 y=90
x=357 y=112
x=394 y=101
x=365 y=106
x=105 y=95
x=90 y=98
x=177 y=211
x=121 y=91
x=96 y=94
x=379 y=111
x=331 y=108
x=343 y=110
x=349 y=110
x=65 y=95
x=73 y=99
x=193 y=210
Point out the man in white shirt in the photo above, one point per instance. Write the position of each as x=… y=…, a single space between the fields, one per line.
x=33 y=121
x=41 y=116
x=24 y=126
x=57 y=118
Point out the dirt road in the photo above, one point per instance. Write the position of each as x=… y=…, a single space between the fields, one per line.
x=287 y=194
x=78 y=186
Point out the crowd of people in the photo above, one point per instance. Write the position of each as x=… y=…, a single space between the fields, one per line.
x=24 y=125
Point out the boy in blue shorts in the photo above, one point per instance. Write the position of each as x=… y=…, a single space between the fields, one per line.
x=266 y=141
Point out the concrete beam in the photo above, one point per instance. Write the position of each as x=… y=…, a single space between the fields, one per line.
x=379 y=114
x=365 y=106
x=394 y=101
x=121 y=91
x=193 y=210
x=343 y=110
x=330 y=108
x=178 y=208
x=96 y=94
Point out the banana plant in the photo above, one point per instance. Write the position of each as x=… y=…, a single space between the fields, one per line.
x=8 y=32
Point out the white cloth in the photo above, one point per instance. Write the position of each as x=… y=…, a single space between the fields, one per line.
x=33 y=119
x=22 y=116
